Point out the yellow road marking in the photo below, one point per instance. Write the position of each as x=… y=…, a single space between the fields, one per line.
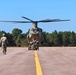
x=38 y=67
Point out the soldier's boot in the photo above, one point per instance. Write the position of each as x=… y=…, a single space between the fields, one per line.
x=4 y=51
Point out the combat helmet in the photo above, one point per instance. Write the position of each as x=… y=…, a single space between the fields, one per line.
x=3 y=34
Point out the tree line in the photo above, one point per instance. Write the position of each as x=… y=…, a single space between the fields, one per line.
x=17 y=38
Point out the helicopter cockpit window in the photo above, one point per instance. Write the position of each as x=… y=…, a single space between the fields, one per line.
x=35 y=30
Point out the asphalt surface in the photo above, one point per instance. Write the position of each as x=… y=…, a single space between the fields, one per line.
x=53 y=61
x=17 y=61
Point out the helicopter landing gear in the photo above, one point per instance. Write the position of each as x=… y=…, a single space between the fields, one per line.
x=33 y=46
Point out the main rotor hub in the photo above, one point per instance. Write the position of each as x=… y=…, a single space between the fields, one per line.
x=34 y=24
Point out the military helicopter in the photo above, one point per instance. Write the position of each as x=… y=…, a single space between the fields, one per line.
x=35 y=34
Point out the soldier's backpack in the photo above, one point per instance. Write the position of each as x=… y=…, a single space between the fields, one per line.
x=4 y=40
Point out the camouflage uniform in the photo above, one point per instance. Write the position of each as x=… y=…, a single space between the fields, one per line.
x=36 y=44
x=4 y=42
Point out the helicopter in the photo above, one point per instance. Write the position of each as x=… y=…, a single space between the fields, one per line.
x=35 y=36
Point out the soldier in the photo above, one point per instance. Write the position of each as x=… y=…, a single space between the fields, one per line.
x=4 y=43
x=36 y=44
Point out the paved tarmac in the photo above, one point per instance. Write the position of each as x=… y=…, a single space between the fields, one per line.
x=17 y=61
x=53 y=61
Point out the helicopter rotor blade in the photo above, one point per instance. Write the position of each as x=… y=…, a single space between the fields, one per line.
x=27 y=19
x=52 y=20
x=17 y=21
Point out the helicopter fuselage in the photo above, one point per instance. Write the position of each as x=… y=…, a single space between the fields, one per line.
x=34 y=33
x=34 y=37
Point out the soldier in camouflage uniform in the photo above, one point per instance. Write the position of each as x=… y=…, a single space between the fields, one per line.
x=36 y=44
x=4 y=43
